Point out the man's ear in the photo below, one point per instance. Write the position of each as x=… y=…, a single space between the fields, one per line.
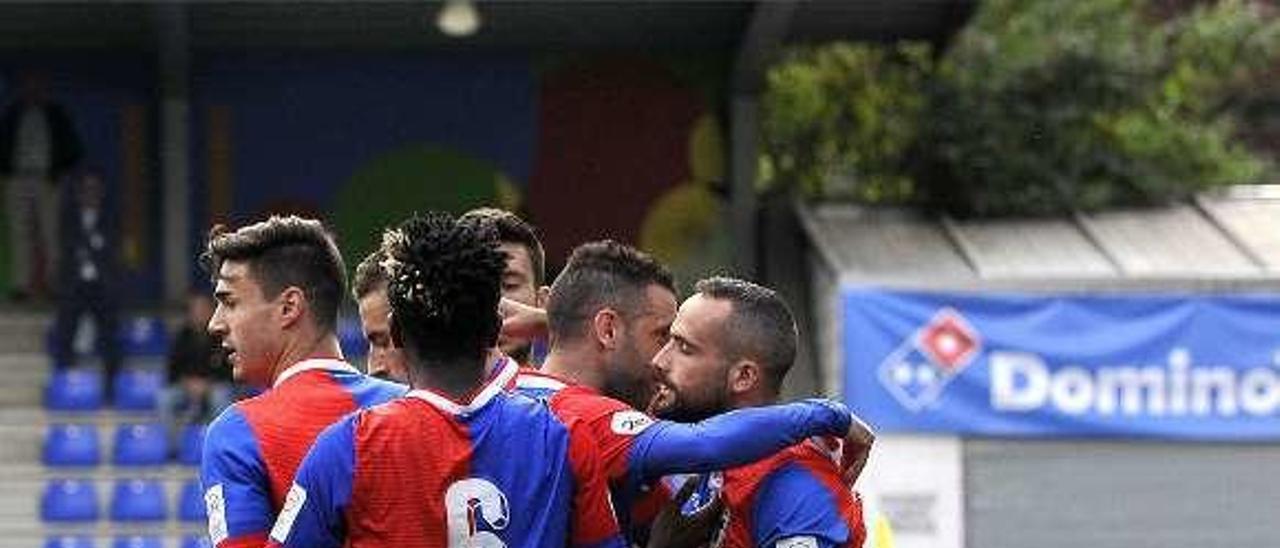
x=542 y=296
x=606 y=326
x=293 y=305
x=745 y=376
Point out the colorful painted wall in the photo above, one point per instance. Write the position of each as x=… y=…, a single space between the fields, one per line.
x=626 y=147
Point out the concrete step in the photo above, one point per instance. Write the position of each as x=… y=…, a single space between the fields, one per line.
x=22 y=443
x=25 y=375
x=24 y=330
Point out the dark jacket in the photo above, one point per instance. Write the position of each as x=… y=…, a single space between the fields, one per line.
x=65 y=151
x=75 y=242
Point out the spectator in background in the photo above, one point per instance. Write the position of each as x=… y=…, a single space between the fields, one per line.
x=87 y=280
x=199 y=375
x=38 y=144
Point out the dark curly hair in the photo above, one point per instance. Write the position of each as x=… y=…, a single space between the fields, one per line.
x=444 y=282
x=281 y=252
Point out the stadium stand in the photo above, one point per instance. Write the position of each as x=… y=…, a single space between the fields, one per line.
x=78 y=473
x=140 y=444
x=136 y=388
x=72 y=445
x=138 y=541
x=74 y=390
x=69 y=500
x=138 y=500
x=70 y=541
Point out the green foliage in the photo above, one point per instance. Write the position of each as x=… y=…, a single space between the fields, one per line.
x=1039 y=107
x=845 y=111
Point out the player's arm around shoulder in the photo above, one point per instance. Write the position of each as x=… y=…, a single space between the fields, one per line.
x=235 y=482
x=314 y=512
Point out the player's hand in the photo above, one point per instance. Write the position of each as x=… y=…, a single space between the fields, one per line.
x=521 y=321
x=856 y=451
x=673 y=529
x=662 y=398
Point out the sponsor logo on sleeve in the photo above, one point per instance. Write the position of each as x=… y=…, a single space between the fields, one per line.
x=216 y=508
x=293 y=503
x=630 y=423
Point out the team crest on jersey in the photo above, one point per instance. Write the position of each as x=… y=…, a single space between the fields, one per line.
x=293 y=503
x=216 y=507
x=923 y=365
x=630 y=423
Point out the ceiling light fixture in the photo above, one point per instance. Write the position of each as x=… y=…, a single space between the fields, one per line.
x=458 y=18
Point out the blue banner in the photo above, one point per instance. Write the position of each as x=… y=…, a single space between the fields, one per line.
x=1149 y=365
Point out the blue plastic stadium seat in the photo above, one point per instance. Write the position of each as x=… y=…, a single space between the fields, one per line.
x=140 y=444
x=191 y=445
x=195 y=541
x=71 y=389
x=136 y=389
x=69 y=501
x=351 y=338
x=137 y=541
x=70 y=541
x=144 y=336
x=191 y=502
x=134 y=500
x=72 y=445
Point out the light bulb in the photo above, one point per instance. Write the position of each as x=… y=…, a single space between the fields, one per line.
x=458 y=18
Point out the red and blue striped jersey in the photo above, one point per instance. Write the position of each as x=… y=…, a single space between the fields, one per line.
x=425 y=471
x=638 y=450
x=252 y=449
x=793 y=499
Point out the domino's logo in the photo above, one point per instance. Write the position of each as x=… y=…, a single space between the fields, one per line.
x=917 y=372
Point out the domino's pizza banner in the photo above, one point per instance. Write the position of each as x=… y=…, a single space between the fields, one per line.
x=1171 y=366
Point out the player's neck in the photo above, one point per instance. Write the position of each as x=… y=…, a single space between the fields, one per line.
x=574 y=365
x=456 y=379
x=754 y=398
x=306 y=347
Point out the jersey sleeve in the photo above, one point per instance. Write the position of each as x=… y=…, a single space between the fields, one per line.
x=236 y=484
x=731 y=439
x=593 y=523
x=314 y=513
x=794 y=509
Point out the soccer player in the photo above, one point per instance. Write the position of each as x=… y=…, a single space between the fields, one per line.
x=609 y=313
x=731 y=346
x=522 y=280
x=278 y=285
x=460 y=461
x=369 y=287
x=525 y=274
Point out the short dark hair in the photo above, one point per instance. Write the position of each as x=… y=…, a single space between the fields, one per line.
x=512 y=229
x=370 y=275
x=445 y=279
x=285 y=251
x=760 y=325
x=602 y=274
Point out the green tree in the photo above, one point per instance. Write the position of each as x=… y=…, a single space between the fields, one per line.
x=1039 y=107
